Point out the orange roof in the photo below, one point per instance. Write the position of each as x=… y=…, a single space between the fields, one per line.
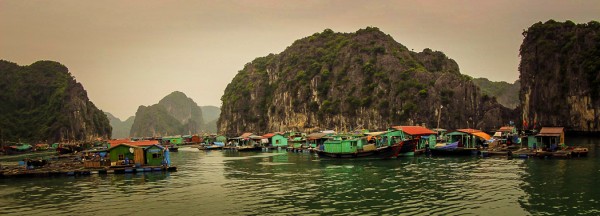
x=246 y=135
x=475 y=132
x=483 y=135
x=269 y=135
x=468 y=130
x=118 y=141
x=506 y=129
x=138 y=143
x=414 y=130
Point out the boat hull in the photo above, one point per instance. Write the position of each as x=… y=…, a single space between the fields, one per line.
x=383 y=153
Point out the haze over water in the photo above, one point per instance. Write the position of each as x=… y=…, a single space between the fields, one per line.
x=218 y=183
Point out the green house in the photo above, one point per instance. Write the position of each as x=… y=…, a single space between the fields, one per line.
x=276 y=140
x=120 y=152
x=154 y=155
x=175 y=140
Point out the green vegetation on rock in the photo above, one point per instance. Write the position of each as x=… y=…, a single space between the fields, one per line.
x=43 y=102
x=340 y=81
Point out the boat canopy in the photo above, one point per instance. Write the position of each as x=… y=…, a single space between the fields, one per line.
x=483 y=135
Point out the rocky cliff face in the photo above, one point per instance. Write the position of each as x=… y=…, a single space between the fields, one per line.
x=175 y=114
x=43 y=102
x=210 y=115
x=505 y=93
x=345 y=81
x=120 y=129
x=560 y=75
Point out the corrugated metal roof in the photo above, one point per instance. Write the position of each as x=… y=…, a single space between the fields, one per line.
x=414 y=130
x=551 y=131
x=316 y=135
x=138 y=143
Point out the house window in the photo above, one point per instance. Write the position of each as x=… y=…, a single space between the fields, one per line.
x=121 y=157
x=276 y=141
x=156 y=155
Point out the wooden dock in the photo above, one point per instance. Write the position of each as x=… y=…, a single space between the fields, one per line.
x=21 y=172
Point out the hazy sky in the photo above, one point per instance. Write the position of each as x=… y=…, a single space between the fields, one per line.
x=131 y=53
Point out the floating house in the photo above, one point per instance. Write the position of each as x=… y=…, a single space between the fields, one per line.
x=551 y=138
x=125 y=154
x=423 y=136
x=275 y=140
x=155 y=155
x=468 y=138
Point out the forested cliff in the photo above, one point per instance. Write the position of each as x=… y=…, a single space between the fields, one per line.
x=346 y=81
x=560 y=75
x=43 y=102
x=175 y=114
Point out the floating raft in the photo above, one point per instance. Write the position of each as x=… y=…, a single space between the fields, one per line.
x=24 y=173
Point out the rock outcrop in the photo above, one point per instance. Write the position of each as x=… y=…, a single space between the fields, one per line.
x=175 y=114
x=120 y=129
x=43 y=102
x=560 y=75
x=347 y=81
x=505 y=93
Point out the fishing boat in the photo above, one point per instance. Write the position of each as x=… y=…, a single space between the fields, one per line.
x=355 y=147
x=214 y=146
x=461 y=142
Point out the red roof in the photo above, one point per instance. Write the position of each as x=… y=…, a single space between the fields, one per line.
x=269 y=135
x=415 y=130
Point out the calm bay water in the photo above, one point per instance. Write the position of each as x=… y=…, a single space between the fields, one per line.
x=232 y=183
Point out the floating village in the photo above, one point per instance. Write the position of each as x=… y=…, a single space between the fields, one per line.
x=152 y=154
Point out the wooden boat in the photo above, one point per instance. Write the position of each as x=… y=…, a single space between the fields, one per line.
x=452 y=149
x=382 y=152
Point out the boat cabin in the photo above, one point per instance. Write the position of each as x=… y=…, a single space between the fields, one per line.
x=424 y=136
x=468 y=138
x=317 y=139
x=344 y=144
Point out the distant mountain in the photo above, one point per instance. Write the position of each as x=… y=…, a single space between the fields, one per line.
x=505 y=93
x=43 y=102
x=175 y=114
x=120 y=128
x=211 y=115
